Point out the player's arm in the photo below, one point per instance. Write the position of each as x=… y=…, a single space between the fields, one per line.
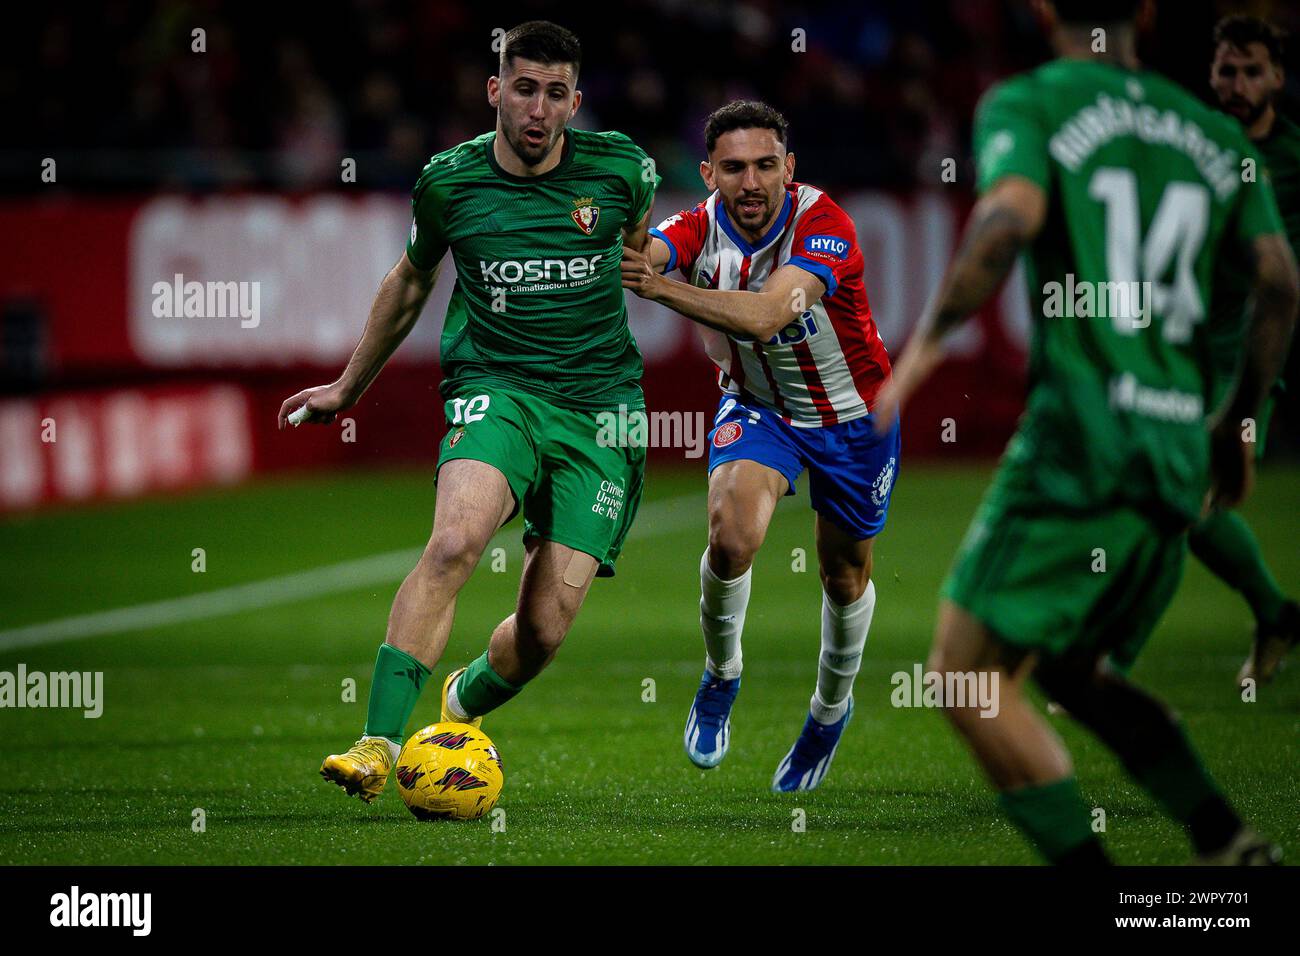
x=1276 y=296
x=635 y=237
x=393 y=314
x=758 y=315
x=1003 y=222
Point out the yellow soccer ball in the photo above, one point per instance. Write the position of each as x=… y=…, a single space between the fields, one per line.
x=449 y=772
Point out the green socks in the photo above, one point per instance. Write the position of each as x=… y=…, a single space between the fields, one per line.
x=481 y=690
x=1225 y=544
x=1056 y=820
x=394 y=691
x=1178 y=781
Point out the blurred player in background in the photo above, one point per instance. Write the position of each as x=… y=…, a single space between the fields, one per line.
x=1246 y=77
x=536 y=344
x=775 y=269
x=1105 y=173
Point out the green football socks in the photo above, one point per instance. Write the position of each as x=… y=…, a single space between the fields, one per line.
x=1056 y=820
x=396 y=686
x=481 y=690
x=1225 y=544
x=1179 y=782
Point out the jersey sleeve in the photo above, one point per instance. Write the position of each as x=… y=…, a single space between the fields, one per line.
x=1257 y=213
x=635 y=167
x=684 y=234
x=1010 y=138
x=826 y=244
x=428 y=241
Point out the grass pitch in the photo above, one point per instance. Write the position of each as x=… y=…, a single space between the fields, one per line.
x=232 y=713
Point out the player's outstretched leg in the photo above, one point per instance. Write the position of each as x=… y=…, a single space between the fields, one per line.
x=474 y=499
x=1024 y=759
x=1157 y=754
x=848 y=602
x=742 y=496
x=555 y=582
x=1225 y=544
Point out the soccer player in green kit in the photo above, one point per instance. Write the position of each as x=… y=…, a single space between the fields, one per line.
x=1104 y=174
x=1246 y=77
x=535 y=345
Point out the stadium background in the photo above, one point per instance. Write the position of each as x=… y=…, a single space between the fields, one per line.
x=226 y=166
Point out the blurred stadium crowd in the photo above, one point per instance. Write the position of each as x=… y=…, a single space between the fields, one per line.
x=877 y=96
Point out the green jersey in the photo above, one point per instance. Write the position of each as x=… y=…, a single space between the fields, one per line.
x=1145 y=189
x=1280 y=152
x=538 y=301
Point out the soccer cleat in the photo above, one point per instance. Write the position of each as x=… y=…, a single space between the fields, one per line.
x=1271 y=646
x=708 y=726
x=805 y=766
x=363 y=770
x=447 y=716
x=1247 y=848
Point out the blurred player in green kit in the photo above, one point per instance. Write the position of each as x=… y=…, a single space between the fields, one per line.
x=1246 y=77
x=1125 y=191
x=535 y=348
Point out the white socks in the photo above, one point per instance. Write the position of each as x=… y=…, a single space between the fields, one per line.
x=394 y=749
x=844 y=635
x=722 y=618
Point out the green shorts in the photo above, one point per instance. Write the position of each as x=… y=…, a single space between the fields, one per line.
x=573 y=489
x=1050 y=580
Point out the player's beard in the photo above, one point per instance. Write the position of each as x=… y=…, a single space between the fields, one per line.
x=530 y=154
x=752 y=220
x=1245 y=112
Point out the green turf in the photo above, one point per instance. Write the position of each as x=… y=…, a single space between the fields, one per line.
x=233 y=714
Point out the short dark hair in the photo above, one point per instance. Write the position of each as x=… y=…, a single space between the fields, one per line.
x=1240 y=31
x=542 y=42
x=743 y=114
x=1076 y=12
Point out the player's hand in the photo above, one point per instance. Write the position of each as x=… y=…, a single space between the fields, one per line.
x=1232 y=466
x=323 y=402
x=638 y=274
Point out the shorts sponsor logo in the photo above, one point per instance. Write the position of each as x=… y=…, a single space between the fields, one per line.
x=609 y=500
x=727 y=434
x=884 y=482
x=460 y=433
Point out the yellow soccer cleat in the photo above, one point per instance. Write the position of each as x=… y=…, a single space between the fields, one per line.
x=447 y=716
x=363 y=770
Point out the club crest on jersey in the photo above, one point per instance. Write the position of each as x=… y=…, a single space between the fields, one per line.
x=585 y=214
x=883 y=483
x=726 y=434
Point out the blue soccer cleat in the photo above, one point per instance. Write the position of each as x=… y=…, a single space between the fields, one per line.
x=708 y=727
x=805 y=766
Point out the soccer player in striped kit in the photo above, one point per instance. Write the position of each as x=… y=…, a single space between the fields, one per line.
x=774 y=271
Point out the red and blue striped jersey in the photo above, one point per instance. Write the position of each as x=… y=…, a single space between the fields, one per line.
x=827 y=365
